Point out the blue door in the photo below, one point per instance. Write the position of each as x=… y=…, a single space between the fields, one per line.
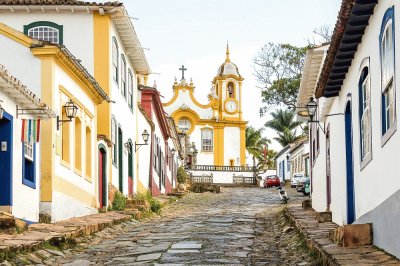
x=6 y=147
x=349 y=165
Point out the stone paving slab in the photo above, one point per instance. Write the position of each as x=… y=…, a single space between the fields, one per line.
x=330 y=253
x=39 y=233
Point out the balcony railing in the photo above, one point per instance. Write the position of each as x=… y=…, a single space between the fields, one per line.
x=202 y=179
x=244 y=180
x=224 y=168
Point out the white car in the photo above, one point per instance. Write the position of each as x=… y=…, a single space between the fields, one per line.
x=296 y=178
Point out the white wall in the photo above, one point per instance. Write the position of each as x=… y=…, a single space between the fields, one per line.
x=184 y=98
x=25 y=200
x=231 y=145
x=77 y=30
x=142 y=156
x=122 y=113
x=279 y=160
x=13 y=55
x=223 y=177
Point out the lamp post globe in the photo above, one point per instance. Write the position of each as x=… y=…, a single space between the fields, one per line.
x=145 y=136
x=70 y=109
x=311 y=107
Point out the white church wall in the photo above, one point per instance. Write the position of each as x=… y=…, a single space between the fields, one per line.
x=185 y=99
x=231 y=145
x=203 y=157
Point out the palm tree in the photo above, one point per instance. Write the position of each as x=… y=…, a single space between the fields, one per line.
x=282 y=122
x=255 y=143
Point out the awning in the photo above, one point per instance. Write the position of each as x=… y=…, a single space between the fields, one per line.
x=27 y=102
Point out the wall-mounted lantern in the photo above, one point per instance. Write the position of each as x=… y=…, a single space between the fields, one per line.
x=70 y=112
x=145 y=136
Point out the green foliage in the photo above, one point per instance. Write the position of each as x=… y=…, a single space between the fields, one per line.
x=181 y=175
x=119 y=201
x=283 y=123
x=278 y=68
x=155 y=205
x=255 y=144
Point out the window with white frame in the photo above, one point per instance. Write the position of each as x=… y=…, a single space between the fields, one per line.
x=387 y=73
x=45 y=31
x=123 y=75
x=365 y=114
x=206 y=140
x=28 y=151
x=115 y=55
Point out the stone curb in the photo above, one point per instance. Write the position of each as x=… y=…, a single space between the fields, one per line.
x=60 y=232
x=330 y=253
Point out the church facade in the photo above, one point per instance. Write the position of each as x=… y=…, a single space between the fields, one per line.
x=216 y=129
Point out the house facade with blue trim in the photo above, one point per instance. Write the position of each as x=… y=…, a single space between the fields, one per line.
x=355 y=171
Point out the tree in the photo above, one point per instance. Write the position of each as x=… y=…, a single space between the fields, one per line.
x=283 y=123
x=323 y=34
x=255 y=143
x=278 y=68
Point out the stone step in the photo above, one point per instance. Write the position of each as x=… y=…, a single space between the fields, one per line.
x=11 y=225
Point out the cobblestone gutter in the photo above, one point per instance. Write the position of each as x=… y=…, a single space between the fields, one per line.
x=330 y=253
x=58 y=234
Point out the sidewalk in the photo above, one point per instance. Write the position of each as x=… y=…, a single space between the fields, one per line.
x=329 y=252
x=57 y=233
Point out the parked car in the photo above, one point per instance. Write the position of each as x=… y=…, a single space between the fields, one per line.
x=272 y=181
x=307 y=187
x=301 y=184
x=295 y=179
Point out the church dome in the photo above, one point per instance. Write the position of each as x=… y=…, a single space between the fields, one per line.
x=228 y=68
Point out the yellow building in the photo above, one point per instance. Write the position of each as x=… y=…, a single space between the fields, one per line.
x=216 y=129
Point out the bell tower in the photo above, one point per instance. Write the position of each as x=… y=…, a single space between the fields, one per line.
x=228 y=86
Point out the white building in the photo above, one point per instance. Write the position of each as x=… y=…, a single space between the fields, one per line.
x=355 y=175
x=282 y=160
x=66 y=159
x=102 y=36
x=19 y=161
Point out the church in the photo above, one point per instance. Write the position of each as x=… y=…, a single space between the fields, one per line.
x=216 y=129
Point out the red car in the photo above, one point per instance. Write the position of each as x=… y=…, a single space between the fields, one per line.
x=272 y=181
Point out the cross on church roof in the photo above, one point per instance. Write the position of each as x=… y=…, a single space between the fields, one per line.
x=183 y=69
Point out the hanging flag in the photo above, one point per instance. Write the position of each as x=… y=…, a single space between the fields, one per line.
x=30 y=130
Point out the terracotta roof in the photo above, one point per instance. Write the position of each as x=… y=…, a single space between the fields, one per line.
x=77 y=63
x=57 y=2
x=25 y=97
x=352 y=20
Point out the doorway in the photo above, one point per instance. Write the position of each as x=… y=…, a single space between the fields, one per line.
x=328 y=170
x=130 y=168
x=102 y=177
x=6 y=147
x=120 y=158
x=349 y=164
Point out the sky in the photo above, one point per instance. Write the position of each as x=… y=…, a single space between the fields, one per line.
x=194 y=33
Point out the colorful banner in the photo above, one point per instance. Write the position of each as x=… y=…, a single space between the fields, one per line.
x=30 y=130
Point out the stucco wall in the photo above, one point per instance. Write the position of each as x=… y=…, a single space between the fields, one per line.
x=25 y=200
x=77 y=30
x=378 y=180
x=232 y=145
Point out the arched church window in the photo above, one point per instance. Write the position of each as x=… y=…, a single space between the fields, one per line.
x=45 y=31
x=231 y=90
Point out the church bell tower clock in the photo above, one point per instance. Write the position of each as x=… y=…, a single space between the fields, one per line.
x=228 y=84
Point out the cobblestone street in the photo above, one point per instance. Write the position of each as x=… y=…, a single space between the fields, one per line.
x=239 y=226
